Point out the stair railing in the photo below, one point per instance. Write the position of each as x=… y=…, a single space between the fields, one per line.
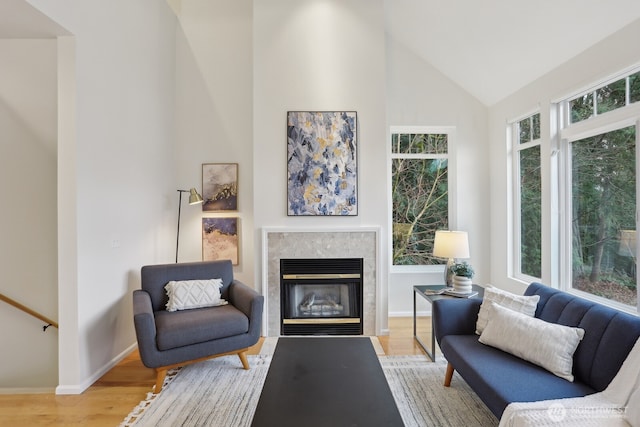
x=27 y=310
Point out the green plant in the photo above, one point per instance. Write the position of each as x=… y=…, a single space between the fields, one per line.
x=462 y=269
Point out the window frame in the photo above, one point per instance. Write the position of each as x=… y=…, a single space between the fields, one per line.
x=515 y=265
x=450 y=131
x=568 y=132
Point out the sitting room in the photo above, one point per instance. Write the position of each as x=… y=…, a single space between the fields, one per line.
x=269 y=134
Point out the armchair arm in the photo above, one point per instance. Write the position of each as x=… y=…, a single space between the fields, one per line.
x=455 y=316
x=145 y=325
x=250 y=302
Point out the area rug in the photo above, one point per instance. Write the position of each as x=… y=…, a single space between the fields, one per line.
x=219 y=392
x=416 y=384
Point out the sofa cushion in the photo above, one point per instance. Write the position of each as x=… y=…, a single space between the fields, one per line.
x=605 y=328
x=500 y=378
x=189 y=294
x=520 y=303
x=548 y=345
x=181 y=328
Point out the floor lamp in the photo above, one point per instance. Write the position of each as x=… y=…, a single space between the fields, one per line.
x=450 y=245
x=194 y=199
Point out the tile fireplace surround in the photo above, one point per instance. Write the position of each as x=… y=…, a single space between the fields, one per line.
x=277 y=243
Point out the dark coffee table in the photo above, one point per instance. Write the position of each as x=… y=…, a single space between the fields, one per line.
x=420 y=290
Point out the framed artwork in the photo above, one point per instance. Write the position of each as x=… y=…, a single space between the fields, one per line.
x=220 y=187
x=220 y=239
x=322 y=163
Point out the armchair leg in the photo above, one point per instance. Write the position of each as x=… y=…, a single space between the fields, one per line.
x=160 y=376
x=243 y=358
x=448 y=375
x=161 y=372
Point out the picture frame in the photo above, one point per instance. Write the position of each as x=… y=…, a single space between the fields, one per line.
x=220 y=239
x=322 y=163
x=219 y=187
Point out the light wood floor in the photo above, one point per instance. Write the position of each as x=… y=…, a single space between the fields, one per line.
x=108 y=401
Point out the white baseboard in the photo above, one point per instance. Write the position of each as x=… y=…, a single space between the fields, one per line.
x=409 y=313
x=79 y=388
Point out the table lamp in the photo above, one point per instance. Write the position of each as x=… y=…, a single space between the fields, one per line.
x=450 y=245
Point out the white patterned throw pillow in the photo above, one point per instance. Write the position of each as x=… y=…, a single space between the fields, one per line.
x=548 y=345
x=520 y=303
x=188 y=294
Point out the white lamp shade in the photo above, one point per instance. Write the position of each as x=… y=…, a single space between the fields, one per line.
x=451 y=244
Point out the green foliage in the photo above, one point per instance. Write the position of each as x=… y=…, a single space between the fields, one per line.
x=603 y=203
x=463 y=269
x=530 y=212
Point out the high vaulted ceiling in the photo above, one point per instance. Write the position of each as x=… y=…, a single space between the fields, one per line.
x=492 y=48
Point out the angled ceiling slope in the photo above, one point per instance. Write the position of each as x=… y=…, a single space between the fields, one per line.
x=20 y=20
x=493 y=48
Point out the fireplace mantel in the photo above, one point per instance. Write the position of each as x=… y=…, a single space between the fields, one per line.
x=358 y=242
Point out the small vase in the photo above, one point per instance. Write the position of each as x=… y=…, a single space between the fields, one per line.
x=461 y=284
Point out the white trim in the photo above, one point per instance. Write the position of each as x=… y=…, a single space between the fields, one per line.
x=612 y=120
x=421 y=313
x=514 y=235
x=451 y=157
x=597 y=84
x=79 y=388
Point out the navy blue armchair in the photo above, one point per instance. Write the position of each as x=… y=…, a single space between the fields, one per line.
x=167 y=340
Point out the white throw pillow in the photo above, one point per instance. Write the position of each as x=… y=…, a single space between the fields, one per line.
x=548 y=345
x=633 y=409
x=520 y=303
x=188 y=294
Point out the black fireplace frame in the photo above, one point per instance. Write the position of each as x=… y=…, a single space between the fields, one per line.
x=322 y=271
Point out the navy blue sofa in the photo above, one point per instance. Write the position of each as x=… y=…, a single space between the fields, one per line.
x=500 y=378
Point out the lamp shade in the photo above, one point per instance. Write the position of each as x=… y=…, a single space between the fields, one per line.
x=451 y=244
x=627 y=243
x=194 y=197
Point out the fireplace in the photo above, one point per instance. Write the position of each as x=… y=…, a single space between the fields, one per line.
x=321 y=296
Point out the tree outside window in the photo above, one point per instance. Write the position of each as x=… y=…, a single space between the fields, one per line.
x=603 y=177
x=601 y=221
x=528 y=230
x=419 y=166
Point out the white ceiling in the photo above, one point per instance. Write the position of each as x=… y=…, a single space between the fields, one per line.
x=492 y=48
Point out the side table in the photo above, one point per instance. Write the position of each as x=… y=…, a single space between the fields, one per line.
x=419 y=290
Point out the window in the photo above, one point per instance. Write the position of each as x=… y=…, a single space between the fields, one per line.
x=528 y=198
x=419 y=192
x=608 y=97
x=600 y=171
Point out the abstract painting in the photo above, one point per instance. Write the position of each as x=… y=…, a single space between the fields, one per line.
x=220 y=239
x=220 y=187
x=322 y=163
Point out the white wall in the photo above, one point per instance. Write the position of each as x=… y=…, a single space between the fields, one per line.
x=312 y=55
x=119 y=144
x=318 y=56
x=603 y=60
x=214 y=114
x=419 y=95
x=28 y=256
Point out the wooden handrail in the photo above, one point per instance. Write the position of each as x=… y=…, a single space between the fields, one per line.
x=27 y=310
